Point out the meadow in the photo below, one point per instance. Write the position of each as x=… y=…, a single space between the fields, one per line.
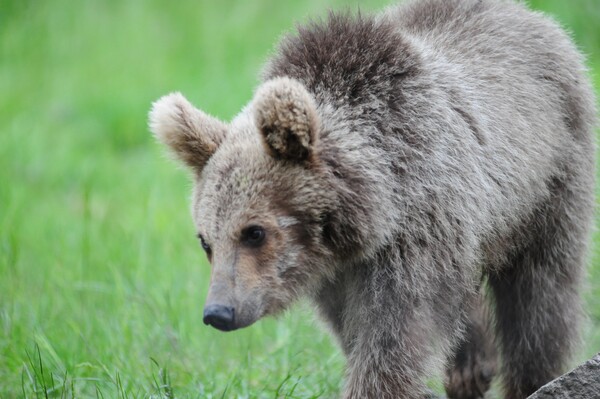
x=102 y=280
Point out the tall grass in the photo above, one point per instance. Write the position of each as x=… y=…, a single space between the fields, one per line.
x=101 y=279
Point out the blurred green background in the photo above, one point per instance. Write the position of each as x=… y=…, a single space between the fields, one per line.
x=102 y=281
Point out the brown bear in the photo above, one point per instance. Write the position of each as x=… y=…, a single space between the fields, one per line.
x=393 y=167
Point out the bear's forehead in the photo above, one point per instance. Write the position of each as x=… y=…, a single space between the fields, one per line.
x=241 y=169
x=232 y=190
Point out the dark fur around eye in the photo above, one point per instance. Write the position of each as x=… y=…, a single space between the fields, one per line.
x=204 y=244
x=253 y=236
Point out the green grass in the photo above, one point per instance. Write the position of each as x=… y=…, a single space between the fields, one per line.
x=102 y=281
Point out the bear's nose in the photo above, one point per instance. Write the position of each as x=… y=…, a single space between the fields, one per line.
x=220 y=317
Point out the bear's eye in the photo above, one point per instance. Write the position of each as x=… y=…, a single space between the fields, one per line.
x=253 y=236
x=205 y=246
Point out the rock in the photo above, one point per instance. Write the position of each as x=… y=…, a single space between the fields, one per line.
x=580 y=383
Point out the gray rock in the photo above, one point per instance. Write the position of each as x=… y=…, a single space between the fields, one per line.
x=582 y=382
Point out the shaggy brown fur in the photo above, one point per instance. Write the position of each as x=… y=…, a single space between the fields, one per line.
x=386 y=168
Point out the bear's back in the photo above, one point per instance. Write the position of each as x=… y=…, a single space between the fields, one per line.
x=458 y=96
x=486 y=49
x=505 y=52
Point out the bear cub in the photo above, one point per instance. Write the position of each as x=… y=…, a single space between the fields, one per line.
x=424 y=175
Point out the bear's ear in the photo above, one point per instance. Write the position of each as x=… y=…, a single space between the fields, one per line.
x=190 y=134
x=286 y=116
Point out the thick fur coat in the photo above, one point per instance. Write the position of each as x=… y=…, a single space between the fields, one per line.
x=389 y=167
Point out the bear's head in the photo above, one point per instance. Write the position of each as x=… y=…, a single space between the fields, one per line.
x=260 y=198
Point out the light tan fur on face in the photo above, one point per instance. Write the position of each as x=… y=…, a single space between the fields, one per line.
x=249 y=279
x=191 y=135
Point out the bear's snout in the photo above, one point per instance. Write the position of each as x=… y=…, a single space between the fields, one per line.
x=220 y=317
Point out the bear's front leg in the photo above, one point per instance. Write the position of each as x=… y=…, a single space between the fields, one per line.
x=389 y=361
x=393 y=337
x=395 y=323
